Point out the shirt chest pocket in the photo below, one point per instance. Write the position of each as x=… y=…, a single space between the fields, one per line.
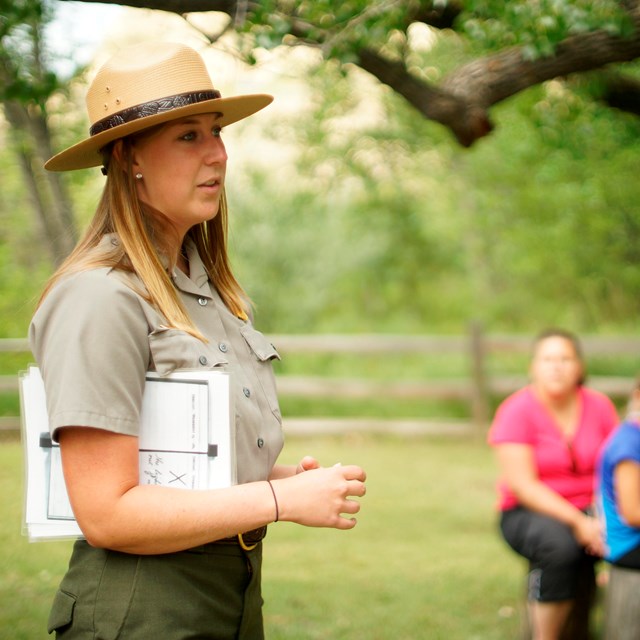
x=263 y=353
x=172 y=350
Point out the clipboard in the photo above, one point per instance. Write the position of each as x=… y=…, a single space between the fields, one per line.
x=186 y=441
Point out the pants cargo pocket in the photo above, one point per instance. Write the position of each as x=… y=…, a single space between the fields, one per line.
x=61 y=614
x=115 y=595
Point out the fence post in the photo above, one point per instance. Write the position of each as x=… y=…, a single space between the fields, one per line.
x=479 y=395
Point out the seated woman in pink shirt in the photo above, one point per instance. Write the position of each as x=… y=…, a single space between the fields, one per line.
x=547 y=437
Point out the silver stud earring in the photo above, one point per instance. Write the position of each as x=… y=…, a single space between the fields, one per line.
x=138 y=176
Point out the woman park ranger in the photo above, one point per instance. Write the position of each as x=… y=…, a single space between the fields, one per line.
x=149 y=288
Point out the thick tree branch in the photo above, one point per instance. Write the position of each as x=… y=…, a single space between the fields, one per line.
x=489 y=80
x=467 y=121
x=176 y=6
x=461 y=102
x=438 y=15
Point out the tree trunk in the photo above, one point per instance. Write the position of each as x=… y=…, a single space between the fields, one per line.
x=49 y=199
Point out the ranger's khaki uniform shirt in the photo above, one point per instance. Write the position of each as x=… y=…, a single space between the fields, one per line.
x=95 y=337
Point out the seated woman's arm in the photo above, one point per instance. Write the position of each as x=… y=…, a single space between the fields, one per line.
x=627 y=484
x=517 y=466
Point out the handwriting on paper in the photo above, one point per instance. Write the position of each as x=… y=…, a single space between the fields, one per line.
x=173 y=469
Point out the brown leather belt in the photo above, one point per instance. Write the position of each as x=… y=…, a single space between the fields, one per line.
x=247 y=540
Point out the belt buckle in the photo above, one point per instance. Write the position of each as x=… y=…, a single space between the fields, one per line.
x=244 y=545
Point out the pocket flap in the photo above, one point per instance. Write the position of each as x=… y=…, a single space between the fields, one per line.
x=61 y=613
x=263 y=349
x=172 y=350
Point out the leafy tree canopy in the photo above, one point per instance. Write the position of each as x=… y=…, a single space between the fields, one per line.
x=508 y=47
x=392 y=227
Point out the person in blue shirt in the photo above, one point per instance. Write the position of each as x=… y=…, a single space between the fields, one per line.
x=619 y=489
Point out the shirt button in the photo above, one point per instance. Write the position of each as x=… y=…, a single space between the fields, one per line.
x=203 y=360
x=246 y=391
x=260 y=443
x=202 y=302
x=223 y=347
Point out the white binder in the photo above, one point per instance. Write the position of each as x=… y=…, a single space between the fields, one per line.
x=186 y=441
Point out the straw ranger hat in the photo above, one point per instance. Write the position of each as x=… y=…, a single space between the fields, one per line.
x=146 y=85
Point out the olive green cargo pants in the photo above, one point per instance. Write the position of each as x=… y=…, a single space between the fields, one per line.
x=207 y=593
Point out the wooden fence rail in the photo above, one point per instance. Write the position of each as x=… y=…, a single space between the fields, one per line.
x=475 y=389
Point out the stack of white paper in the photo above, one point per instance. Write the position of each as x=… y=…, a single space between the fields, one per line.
x=186 y=441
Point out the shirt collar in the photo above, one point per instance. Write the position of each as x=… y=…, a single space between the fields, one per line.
x=196 y=282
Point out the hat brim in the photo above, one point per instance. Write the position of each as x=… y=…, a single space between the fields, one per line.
x=86 y=154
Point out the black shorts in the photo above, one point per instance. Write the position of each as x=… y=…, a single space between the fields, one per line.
x=630 y=560
x=556 y=561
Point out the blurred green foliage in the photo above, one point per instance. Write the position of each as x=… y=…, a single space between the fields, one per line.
x=379 y=223
x=21 y=52
x=370 y=219
x=539 y=26
x=342 y=28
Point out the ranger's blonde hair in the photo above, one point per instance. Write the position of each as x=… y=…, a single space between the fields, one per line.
x=143 y=233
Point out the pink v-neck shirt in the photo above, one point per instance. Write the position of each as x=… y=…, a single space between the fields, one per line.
x=566 y=466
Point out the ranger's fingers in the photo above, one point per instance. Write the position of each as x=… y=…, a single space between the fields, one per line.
x=307 y=464
x=353 y=472
x=351 y=506
x=357 y=488
x=346 y=523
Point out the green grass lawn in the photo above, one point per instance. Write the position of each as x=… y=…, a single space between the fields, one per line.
x=425 y=560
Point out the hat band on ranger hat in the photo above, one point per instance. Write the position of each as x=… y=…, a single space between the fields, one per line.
x=151 y=108
x=146 y=85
